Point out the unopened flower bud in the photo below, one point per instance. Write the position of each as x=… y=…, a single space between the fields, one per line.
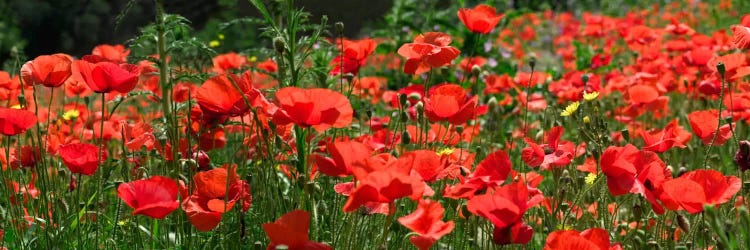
x=405 y=138
x=681 y=171
x=339 y=27
x=279 y=45
x=625 y=134
x=585 y=78
x=420 y=107
x=415 y=96
x=402 y=100
x=349 y=77
x=459 y=129
x=721 y=68
x=532 y=62
x=475 y=69
x=492 y=103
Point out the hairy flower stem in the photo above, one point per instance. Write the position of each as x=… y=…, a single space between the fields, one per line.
x=721 y=69
x=387 y=226
x=166 y=91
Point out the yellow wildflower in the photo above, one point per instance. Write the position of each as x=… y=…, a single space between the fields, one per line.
x=445 y=151
x=570 y=109
x=214 y=44
x=590 y=178
x=590 y=96
x=71 y=114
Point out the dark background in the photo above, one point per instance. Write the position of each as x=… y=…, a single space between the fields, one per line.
x=76 y=26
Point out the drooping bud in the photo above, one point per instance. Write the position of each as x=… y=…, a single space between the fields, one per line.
x=415 y=96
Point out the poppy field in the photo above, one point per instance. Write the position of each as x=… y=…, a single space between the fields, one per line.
x=476 y=126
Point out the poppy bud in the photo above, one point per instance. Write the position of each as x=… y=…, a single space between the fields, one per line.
x=681 y=171
x=415 y=96
x=459 y=129
x=349 y=77
x=625 y=134
x=492 y=103
x=22 y=100
x=405 y=138
x=475 y=69
x=721 y=69
x=532 y=62
x=204 y=162
x=742 y=157
x=339 y=27
x=652 y=244
x=683 y=223
x=402 y=100
x=404 y=116
x=585 y=78
x=420 y=108
x=279 y=45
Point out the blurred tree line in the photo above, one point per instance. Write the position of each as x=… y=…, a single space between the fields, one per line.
x=29 y=28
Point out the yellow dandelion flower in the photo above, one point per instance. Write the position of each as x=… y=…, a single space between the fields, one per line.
x=570 y=109
x=17 y=106
x=590 y=96
x=71 y=114
x=445 y=151
x=590 y=178
x=214 y=44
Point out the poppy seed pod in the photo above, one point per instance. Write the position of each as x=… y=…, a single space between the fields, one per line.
x=532 y=62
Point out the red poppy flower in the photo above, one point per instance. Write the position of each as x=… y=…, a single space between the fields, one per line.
x=482 y=19
x=48 y=70
x=105 y=77
x=704 y=124
x=427 y=222
x=291 y=230
x=113 y=53
x=353 y=56
x=228 y=61
x=384 y=187
x=429 y=50
x=154 y=197
x=589 y=239
x=319 y=108
x=555 y=153
x=344 y=154
x=81 y=158
x=518 y=233
x=468 y=63
x=15 y=121
x=505 y=209
x=450 y=102
x=706 y=187
x=741 y=36
x=218 y=96
x=630 y=170
x=213 y=196
x=661 y=140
